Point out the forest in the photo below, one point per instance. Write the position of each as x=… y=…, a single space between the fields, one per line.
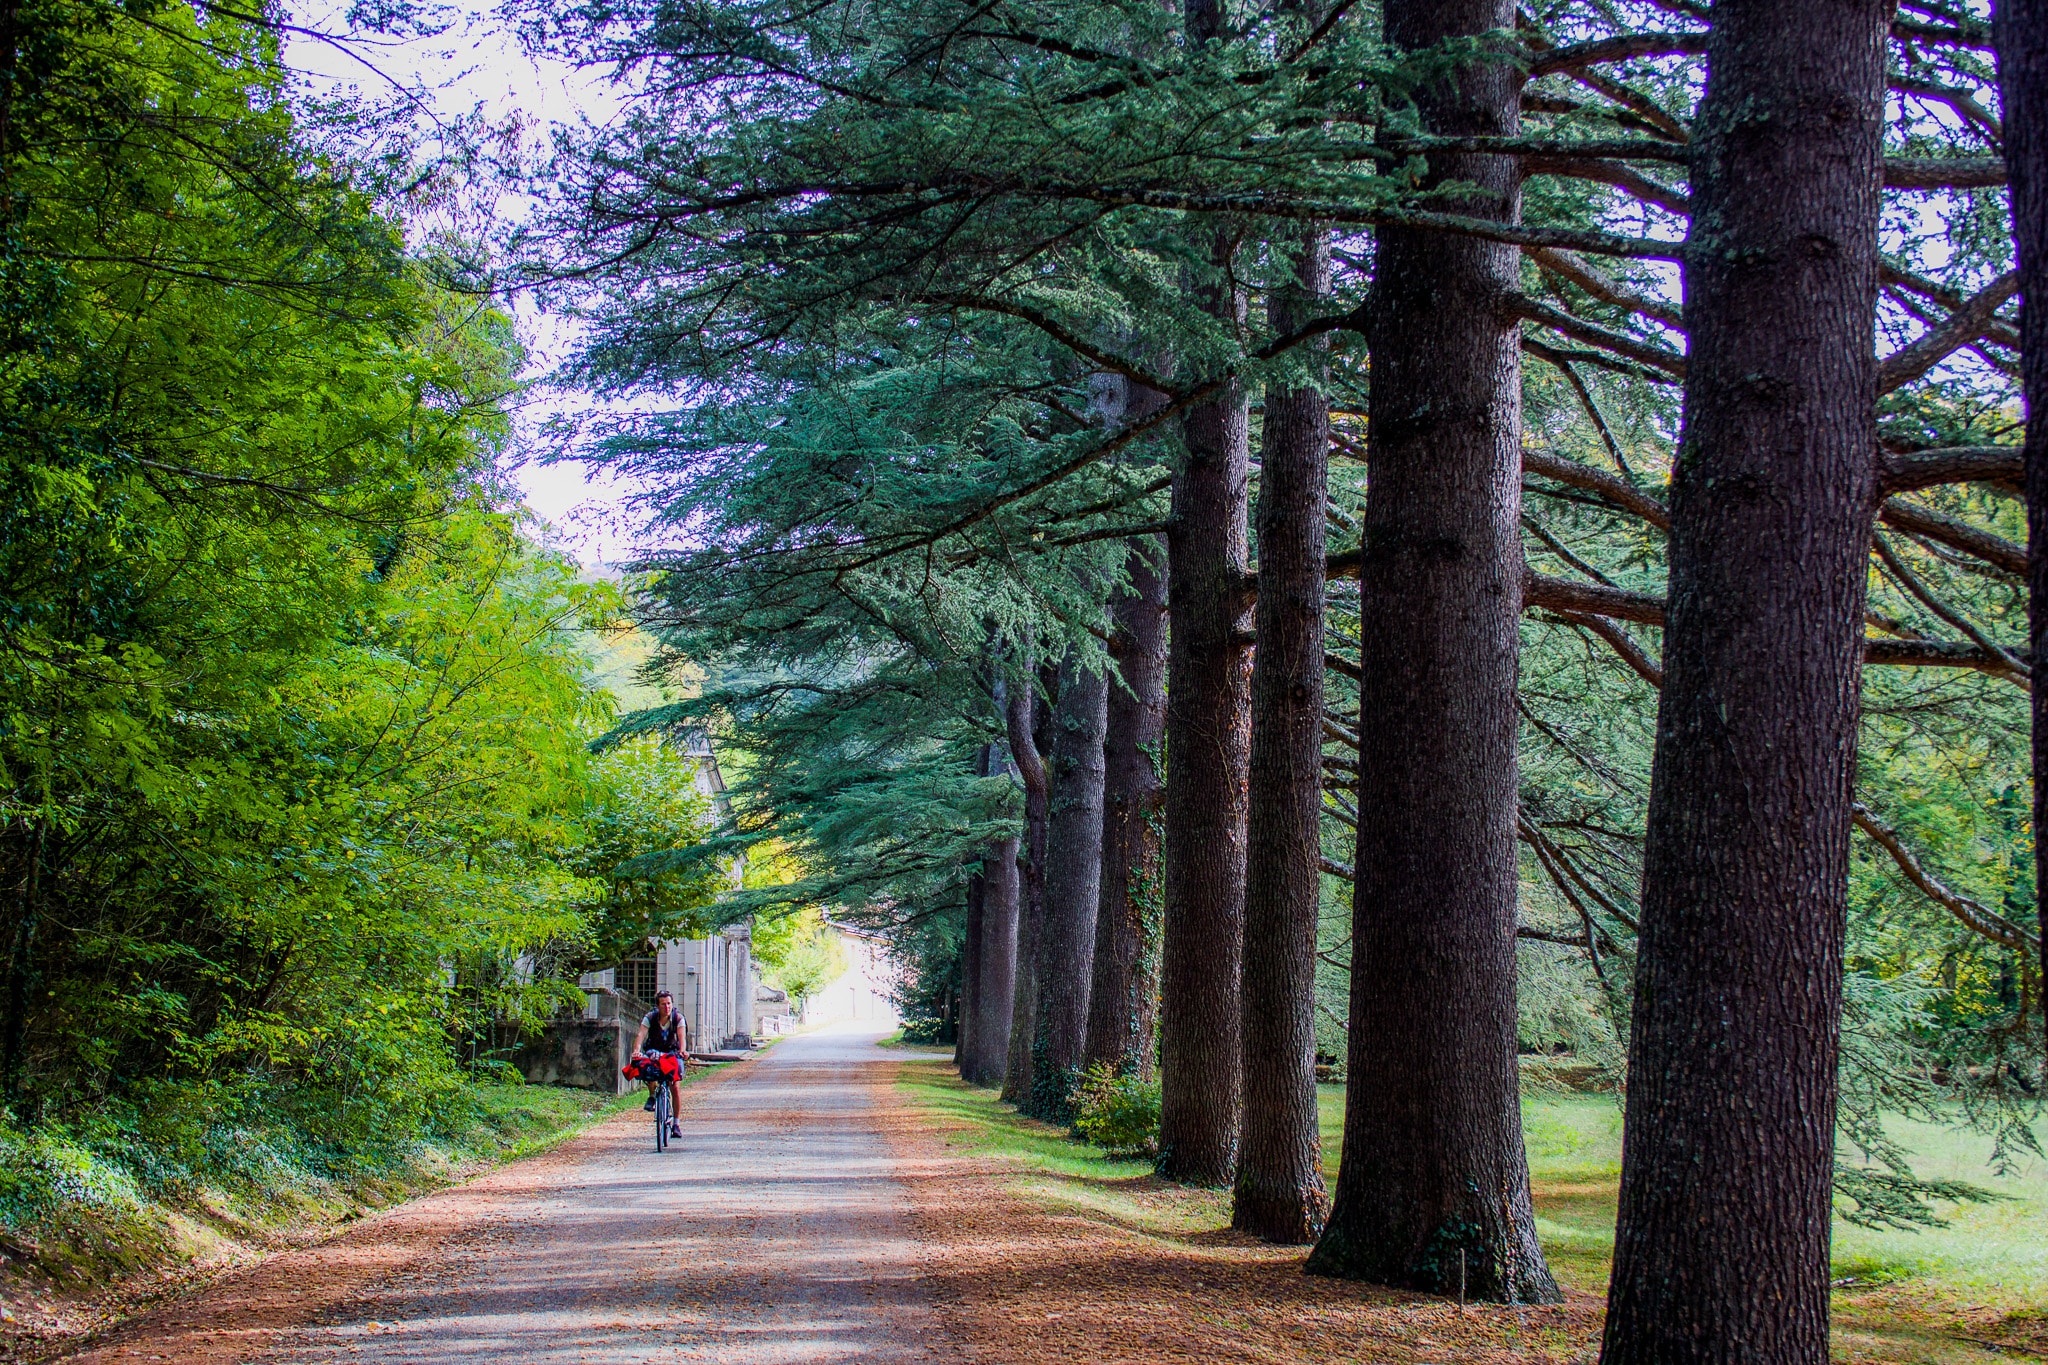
x=1263 y=542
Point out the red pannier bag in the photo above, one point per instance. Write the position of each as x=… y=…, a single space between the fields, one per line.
x=658 y=1067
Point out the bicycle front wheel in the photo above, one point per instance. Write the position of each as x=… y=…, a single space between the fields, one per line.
x=661 y=1118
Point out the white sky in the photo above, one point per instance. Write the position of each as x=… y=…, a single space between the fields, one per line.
x=478 y=65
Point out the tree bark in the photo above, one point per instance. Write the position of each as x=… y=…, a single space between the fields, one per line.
x=1434 y=1175
x=996 y=1002
x=1208 y=736
x=987 y=948
x=1019 y=715
x=1073 y=881
x=1123 y=1002
x=2022 y=36
x=1208 y=724
x=1721 y=1250
x=970 y=963
x=1280 y=1195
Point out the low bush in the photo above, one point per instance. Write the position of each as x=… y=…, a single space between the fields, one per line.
x=1117 y=1112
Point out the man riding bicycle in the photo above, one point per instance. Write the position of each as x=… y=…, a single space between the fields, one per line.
x=662 y=1030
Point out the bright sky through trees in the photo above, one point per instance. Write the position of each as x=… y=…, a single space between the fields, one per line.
x=475 y=67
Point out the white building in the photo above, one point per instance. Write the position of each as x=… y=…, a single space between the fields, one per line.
x=866 y=989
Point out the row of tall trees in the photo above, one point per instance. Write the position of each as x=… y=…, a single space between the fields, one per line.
x=1114 y=465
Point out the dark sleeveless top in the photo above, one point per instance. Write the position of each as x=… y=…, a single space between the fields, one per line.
x=661 y=1039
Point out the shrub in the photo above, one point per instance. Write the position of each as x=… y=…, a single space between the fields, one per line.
x=1117 y=1112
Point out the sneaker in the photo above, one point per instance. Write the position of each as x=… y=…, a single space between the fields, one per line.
x=647 y=1108
x=675 y=1130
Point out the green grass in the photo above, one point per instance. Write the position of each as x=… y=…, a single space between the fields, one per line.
x=897 y=1040
x=2000 y=1249
x=1055 y=1167
x=1994 y=1252
x=524 y=1120
x=1933 y=1296
x=1912 y=1295
x=1574 y=1145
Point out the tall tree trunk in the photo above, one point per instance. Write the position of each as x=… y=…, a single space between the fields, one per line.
x=1123 y=1002
x=1434 y=1186
x=1019 y=716
x=2022 y=28
x=1721 y=1248
x=995 y=1004
x=971 y=953
x=987 y=1015
x=1208 y=724
x=1208 y=736
x=1280 y=1194
x=970 y=964
x=1073 y=881
x=974 y=948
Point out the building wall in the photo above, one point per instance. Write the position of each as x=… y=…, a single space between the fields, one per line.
x=714 y=980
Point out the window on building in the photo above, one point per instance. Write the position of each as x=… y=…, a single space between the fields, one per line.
x=635 y=976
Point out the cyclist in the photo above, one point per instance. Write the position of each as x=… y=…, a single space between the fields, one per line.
x=662 y=1030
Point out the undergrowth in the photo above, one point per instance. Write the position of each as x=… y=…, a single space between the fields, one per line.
x=130 y=1186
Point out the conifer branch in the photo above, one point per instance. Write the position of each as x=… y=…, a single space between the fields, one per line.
x=1966 y=325
x=1670 y=362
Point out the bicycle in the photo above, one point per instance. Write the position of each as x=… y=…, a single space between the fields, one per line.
x=659 y=1069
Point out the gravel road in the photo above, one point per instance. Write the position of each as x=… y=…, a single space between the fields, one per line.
x=775 y=1231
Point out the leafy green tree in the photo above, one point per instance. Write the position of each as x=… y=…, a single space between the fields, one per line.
x=299 y=821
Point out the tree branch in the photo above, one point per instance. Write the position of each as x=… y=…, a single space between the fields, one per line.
x=1955 y=533
x=1943 y=173
x=1969 y=323
x=1626 y=47
x=1974 y=915
x=1583 y=476
x=1593 y=334
x=1927 y=598
x=1059 y=332
x=1567 y=266
x=1919 y=469
x=1568 y=597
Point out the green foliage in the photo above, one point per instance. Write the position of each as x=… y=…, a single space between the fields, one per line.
x=299 y=822
x=874 y=318
x=642 y=810
x=927 y=953
x=1117 y=1111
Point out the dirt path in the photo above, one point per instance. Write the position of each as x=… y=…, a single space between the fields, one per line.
x=810 y=1215
x=774 y=1232
x=1019 y=1278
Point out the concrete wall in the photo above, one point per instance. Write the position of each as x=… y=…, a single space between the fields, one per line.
x=583 y=1053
